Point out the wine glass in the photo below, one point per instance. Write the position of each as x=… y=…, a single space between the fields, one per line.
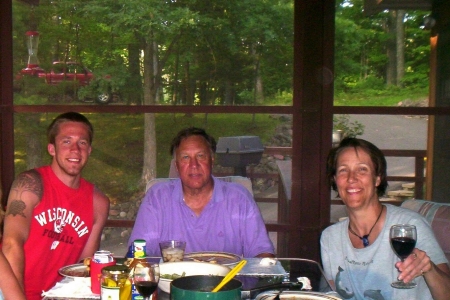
x=146 y=279
x=403 y=241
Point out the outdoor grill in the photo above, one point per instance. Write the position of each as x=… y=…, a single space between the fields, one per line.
x=238 y=152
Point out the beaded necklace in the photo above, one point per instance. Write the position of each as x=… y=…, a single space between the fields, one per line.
x=365 y=238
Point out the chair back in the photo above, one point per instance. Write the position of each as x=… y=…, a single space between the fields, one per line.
x=245 y=181
x=173 y=172
x=438 y=215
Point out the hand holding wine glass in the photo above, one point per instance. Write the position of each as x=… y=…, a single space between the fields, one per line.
x=146 y=279
x=403 y=239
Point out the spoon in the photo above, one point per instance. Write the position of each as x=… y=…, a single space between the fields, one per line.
x=230 y=275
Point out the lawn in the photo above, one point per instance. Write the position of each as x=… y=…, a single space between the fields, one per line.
x=115 y=165
x=116 y=161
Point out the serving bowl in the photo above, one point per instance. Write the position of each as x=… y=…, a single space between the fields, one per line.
x=187 y=268
x=199 y=287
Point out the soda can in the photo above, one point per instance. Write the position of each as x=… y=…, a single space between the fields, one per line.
x=101 y=259
x=103 y=256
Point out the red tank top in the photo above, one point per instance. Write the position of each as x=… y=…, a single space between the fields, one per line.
x=60 y=227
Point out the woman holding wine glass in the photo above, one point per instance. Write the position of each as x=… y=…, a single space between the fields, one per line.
x=356 y=253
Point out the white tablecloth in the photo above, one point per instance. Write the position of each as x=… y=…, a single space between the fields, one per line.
x=79 y=288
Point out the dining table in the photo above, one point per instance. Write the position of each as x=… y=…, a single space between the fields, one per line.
x=284 y=274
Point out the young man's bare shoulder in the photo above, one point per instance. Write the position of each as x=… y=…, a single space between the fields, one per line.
x=30 y=181
x=100 y=198
x=27 y=183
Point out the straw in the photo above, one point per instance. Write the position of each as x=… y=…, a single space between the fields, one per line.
x=230 y=275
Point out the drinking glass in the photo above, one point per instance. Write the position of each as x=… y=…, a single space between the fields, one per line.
x=403 y=241
x=146 y=279
x=172 y=250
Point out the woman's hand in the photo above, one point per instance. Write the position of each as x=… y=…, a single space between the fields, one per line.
x=418 y=263
x=437 y=277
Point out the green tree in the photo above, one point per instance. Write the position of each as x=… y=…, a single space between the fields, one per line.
x=362 y=43
x=214 y=52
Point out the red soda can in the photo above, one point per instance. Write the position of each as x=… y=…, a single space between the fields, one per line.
x=101 y=259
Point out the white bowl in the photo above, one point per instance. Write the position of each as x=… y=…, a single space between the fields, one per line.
x=189 y=268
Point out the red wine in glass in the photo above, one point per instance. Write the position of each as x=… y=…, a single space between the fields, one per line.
x=146 y=288
x=403 y=239
x=403 y=246
x=146 y=279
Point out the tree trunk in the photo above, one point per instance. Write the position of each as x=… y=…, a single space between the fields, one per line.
x=259 y=94
x=188 y=94
x=228 y=93
x=134 y=87
x=175 y=85
x=33 y=138
x=391 y=69
x=150 y=90
x=400 y=42
x=187 y=84
x=203 y=93
x=156 y=75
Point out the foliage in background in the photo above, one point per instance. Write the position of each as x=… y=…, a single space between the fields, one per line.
x=116 y=160
x=219 y=48
x=213 y=53
x=213 y=50
x=361 y=47
x=349 y=128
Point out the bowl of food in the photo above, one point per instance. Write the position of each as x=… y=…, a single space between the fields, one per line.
x=173 y=270
x=199 y=287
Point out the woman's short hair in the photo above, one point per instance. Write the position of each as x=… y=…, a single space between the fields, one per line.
x=190 y=131
x=376 y=156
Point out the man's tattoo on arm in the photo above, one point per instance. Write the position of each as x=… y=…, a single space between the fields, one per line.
x=29 y=181
x=16 y=207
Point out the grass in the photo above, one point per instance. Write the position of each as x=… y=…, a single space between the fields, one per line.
x=380 y=98
x=115 y=164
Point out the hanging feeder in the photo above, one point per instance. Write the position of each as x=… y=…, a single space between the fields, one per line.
x=33 y=62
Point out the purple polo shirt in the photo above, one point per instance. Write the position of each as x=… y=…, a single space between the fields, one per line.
x=231 y=222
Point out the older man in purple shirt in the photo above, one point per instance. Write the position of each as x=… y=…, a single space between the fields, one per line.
x=207 y=213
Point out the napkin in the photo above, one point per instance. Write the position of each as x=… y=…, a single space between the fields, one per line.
x=262 y=267
x=73 y=288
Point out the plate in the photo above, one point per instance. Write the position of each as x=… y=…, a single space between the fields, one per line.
x=74 y=271
x=296 y=295
x=307 y=296
x=222 y=258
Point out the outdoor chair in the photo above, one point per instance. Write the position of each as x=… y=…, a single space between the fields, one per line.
x=438 y=215
x=245 y=181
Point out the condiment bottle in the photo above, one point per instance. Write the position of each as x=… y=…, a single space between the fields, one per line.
x=139 y=260
x=116 y=284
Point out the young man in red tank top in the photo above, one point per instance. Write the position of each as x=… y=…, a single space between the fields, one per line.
x=54 y=217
